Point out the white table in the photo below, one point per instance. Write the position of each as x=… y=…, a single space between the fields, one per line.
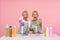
x=30 y=37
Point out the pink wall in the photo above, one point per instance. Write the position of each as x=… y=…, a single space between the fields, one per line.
x=11 y=10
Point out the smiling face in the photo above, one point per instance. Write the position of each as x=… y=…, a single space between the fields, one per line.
x=25 y=14
x=35 y=15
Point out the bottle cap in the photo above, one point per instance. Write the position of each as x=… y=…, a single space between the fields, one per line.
x=10 y=26
x=7 y=26
x=14 y=25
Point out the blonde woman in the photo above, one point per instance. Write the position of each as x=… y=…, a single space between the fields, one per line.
x=36 y=23
x=25 y=20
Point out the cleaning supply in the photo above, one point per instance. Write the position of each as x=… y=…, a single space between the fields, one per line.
x=47 y=32
x=44 y=32
x=10 y=31
x=36 y=24
x=50 y=31
x=26 y=33
x=22 y=25
x=31 y=30
x=36 y=30
x=7 y=31
x=14 y=30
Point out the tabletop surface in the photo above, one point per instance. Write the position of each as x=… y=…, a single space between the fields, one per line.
x=31 y=37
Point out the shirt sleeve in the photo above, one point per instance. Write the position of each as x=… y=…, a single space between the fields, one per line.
x=40 y=20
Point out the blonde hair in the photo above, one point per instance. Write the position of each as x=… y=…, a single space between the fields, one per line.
x=34 y=12
x=24 y=12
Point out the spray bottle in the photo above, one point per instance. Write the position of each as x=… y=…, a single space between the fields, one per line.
x=50 y=31
x=7 y=31
x=44 y=32
x=47 y=32
x=10 y=31
x=36 y=26
x=14 y=30
x=22 y=25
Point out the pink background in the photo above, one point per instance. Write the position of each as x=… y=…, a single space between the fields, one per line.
x=49 y=11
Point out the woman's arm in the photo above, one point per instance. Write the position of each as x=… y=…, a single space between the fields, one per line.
x=40 y=26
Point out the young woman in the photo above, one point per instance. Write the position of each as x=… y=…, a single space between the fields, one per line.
x=36 y=23
x=24 y=19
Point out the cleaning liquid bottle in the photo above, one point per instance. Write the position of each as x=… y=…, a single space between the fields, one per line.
x=10 y=31
x=36 y=24
x=50 y=31
x=47 y=32
x=7 y=31
x=44 y=32
x=14 y=30
x=27 y=31
x=22 y=25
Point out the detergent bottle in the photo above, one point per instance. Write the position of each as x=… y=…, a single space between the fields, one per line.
x=7 y=31
x=10 y=31
x=50 y=31
x=44 y=32
x=47 y=32
x=22 y=26
x=14 y=30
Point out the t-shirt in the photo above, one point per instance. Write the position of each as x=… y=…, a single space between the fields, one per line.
x=33 y=23
x=24 y=27
x=38 y=26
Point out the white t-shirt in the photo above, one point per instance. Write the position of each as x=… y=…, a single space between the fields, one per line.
x=26 y=24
